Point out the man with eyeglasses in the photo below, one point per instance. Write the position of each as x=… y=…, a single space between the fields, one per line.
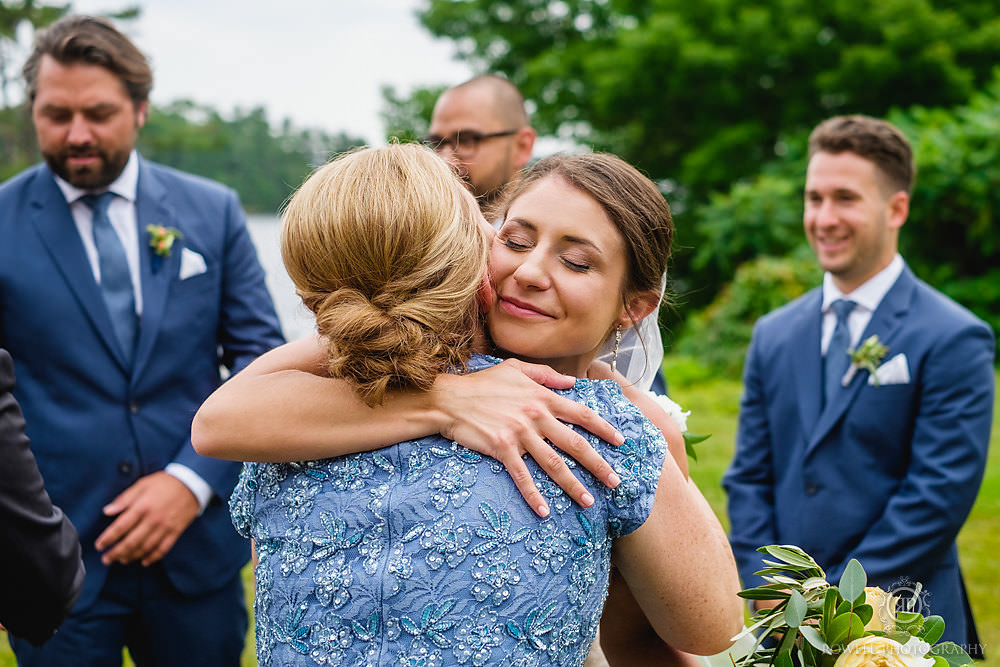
x=481 y=127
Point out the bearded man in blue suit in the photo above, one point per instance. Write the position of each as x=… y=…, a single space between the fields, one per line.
x=883 y=467
x=117 y=337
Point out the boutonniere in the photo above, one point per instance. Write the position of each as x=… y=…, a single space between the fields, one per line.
x=161 y=239
x=866 y=356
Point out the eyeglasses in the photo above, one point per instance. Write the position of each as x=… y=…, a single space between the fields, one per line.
x=464 y=143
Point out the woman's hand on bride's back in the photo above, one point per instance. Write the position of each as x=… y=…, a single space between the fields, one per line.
x=507 y=411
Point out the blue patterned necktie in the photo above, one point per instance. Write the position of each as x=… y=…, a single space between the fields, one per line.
x=837 y=360
x=116 y=279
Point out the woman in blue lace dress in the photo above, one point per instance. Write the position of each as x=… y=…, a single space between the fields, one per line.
x=418 y=553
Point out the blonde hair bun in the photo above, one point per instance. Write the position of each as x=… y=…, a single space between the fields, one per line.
x=384 y=247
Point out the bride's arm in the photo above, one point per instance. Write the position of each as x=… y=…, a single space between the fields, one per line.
x=282 y=407
x=627 y=640
x=680 y=568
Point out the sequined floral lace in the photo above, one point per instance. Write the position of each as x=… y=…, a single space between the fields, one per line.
x=425 y=554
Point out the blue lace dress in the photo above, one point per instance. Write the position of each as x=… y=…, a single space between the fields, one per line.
x=424 y=553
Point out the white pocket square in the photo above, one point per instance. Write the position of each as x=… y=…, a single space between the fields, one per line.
x=894 y=371
x=192 y=264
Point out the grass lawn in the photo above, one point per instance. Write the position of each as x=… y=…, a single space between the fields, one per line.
x=714 y=406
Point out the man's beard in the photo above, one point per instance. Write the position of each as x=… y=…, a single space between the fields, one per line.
x=109 y=167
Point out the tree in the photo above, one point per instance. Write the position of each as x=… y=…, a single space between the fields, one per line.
x=263 y=164
x=408 y=118
x=704 y=92
x=706 y=95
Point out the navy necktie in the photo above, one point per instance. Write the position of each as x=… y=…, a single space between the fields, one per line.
x=837 y=360
x=116 y=279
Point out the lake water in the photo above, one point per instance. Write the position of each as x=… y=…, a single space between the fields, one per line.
x=296 y=320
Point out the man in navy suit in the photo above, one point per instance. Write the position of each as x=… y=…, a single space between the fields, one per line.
x=117 y=337
x=846 y=464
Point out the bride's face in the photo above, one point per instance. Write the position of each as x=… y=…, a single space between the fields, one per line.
x=558 y=266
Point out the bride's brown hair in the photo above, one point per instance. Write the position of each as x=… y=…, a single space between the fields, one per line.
x=384 y=245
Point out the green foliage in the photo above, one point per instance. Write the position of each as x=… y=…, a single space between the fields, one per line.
x=18 y=148
x=244 y=152
x=408 y=118
x=702 y=92
x=718 y=335
x=12 y=16
x=949 y=239
x=718 y=96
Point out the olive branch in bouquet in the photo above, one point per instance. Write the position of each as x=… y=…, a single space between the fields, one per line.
x=817 y=624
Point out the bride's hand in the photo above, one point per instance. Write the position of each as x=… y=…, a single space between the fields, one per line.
x=506 y=411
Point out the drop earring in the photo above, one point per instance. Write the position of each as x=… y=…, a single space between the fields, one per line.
x=614 y=352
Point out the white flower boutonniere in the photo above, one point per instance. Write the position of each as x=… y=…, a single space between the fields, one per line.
x=866 y=356
x=679 y=415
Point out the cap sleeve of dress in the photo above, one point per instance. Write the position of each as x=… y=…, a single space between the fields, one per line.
x=638 y=462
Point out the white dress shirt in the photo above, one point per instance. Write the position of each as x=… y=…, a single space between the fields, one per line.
x=868 y=296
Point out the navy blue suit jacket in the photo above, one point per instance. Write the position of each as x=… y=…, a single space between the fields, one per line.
x=97 y=425
x=886 y=474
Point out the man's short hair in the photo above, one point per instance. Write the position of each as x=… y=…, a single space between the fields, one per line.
x=875 y=140
x=92 y=41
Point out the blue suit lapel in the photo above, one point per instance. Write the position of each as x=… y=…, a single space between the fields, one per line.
x=156 y=272
x=808 y=362
x=52 y=219
x=885 y=323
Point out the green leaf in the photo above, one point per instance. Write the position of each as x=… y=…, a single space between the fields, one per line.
x=951 y=652
x=785 y=649
x=844 y=629
x=763 y=593
x=789 y=554
x=865 y=612
x=813 y=636
x=853 y=581
x=830 y=606
x=909 y=621
x=814 y=582
x=690 y=440
x=795 y=612
x=898 y=636
x=784 y=660
x=932 y=630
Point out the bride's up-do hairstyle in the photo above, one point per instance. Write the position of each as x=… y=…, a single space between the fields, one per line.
x=385 y=248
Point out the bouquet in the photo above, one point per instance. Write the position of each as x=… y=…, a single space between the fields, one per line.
x=817 y=624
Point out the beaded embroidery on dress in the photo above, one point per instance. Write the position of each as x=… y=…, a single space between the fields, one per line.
x=424 y=553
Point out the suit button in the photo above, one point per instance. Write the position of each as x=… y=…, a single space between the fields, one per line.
x=812 y=488
x=133 y=407
x=125 y=467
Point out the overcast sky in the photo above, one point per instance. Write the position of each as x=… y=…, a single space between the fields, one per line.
x=319 y=62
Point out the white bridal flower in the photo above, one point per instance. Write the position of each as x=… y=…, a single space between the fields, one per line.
x=876 y=651
x=673 y=409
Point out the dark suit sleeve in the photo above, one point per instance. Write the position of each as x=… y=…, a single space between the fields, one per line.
x=40 y=563
x=248 y=327
x=749 y=482
x=951 y=434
